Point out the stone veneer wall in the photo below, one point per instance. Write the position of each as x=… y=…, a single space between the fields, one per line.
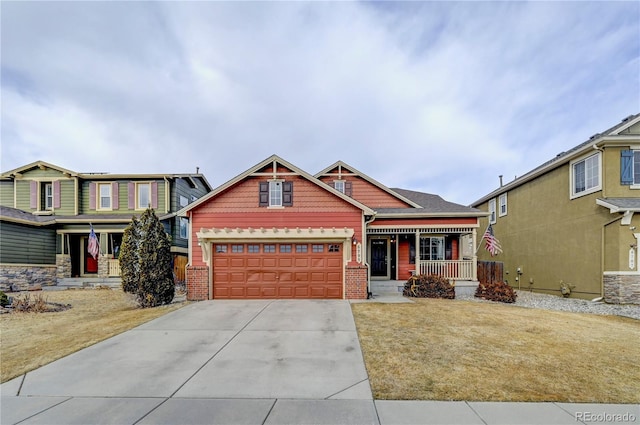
x=622 y=288
x=197 y=283
x=355 y=282
x=27 y=277
x=103 y=265
x=63 y=263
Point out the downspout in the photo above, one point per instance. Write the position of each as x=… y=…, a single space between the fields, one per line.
x=365 y=254
x=167 y=201
x=602 y=244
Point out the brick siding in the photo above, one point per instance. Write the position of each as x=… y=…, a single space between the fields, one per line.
x=197 y=283
x=356 y=282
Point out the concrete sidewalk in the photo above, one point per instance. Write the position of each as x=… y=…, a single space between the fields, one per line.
x=247 y=362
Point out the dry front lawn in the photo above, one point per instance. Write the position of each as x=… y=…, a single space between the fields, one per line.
x=463 y=350
x=31 y=340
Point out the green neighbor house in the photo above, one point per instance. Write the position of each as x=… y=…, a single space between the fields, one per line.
x=46 y=214
x=572 y=225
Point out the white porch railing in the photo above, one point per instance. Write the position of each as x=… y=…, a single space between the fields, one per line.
x=450 y=269
x=114 y=268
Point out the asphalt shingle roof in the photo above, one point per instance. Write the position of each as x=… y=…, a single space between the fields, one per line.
x=430 y=203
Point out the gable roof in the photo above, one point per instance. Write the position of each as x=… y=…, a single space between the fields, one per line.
x=37 y=164
x=274 y=159
x=101 y=176
x=341 y=164
x=612 y=134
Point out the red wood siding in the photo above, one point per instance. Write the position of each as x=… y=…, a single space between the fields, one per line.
x=403 y=261
x=367 y=193
x=244 y=198
x=239 y=206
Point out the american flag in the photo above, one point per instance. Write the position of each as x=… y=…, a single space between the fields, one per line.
x=493 y=245
x=94 y=246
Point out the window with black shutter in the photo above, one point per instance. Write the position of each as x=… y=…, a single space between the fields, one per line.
x=287 y=194
x=264 y=194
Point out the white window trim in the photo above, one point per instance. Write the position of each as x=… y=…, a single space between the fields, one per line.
x=138 y=207
x=99 y=206
x=634 y=149
x=500 y=198
x=276 y=206
x=493 y=212
x=589 y=191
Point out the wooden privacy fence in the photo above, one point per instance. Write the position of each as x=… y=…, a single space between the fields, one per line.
x=490 y=271
x=179 y=264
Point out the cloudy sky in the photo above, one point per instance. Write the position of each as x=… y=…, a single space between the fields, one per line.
x=440 y=97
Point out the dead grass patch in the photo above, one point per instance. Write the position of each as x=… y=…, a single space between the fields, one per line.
x=460 y=350
x=31 y=340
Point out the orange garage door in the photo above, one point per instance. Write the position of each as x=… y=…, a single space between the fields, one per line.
x=277 y=270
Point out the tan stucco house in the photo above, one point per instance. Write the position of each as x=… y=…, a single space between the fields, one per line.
x=572 y=225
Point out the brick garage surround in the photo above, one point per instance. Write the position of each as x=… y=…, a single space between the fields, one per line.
x=622 y=288
x=197 y=283
x=356 y=282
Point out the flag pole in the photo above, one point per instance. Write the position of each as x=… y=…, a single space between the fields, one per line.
x=482 y=238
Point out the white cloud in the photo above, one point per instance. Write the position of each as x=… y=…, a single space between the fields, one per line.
x=433 y=96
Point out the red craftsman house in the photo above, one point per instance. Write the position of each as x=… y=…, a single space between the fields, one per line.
x=276 y=231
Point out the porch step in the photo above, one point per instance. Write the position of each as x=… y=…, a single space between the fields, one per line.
x=386 y=286
x=88 y=282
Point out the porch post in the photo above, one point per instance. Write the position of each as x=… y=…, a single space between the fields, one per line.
x=418 y=265
x=475 y=256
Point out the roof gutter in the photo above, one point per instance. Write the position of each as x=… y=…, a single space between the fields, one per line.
x=551 y=166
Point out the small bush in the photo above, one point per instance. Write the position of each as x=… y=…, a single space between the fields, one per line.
x=431 y=286
x=26 y=304
x=4 y=299
x=496 y=291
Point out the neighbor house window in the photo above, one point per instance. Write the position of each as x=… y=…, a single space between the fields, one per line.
x=183 y=201
x=184 y=228
x=339 y=185
x=492 y=211
x=432 y=248
x=636 y=167
x=143 y=195
x=585 y=175
x=502 y=204
x=104 y=196
x=47 y=193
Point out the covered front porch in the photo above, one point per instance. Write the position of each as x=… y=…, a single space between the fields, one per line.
x=397 y=253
